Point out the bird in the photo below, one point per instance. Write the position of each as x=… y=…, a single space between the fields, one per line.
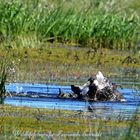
x=75 y=89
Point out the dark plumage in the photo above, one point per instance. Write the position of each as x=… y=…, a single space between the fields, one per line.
x=92 y=91
x=91 y=80
x=77 y=91
x=92 y=88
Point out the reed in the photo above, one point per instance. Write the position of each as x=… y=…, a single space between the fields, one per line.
x=88 y=23
x=3 y=77
x=6 y=71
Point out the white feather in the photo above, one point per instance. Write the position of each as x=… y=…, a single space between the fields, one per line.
x=100 y=76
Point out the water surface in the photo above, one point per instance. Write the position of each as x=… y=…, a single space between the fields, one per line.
x=48 y=99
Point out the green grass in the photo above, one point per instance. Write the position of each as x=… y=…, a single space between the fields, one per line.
x=23 y=122
x=88 y=23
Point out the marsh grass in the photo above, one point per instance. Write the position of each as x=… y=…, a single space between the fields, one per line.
x=62 y=64
x=87 y=23
x=57 y=41
x=23 y=122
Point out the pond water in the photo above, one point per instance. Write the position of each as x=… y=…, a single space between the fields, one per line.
x=47 y=98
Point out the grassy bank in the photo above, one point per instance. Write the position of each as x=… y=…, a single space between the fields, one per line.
x=104 y=24
x=29 y=123
x=69 y=40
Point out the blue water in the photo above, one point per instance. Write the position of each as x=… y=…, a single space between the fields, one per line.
x=124 y=109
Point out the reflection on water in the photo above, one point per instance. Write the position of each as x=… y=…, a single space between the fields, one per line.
x=48 y=93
